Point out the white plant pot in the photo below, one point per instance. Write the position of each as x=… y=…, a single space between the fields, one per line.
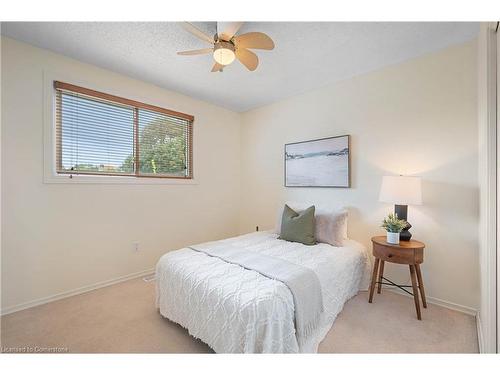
x=393 y=238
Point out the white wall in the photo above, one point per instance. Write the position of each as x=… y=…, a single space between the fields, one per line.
x=487 y=127
x=1 y=176
x=415 y=118
x=497 y=271
x=59 y=237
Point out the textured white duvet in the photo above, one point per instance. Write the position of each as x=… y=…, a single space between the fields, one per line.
x=235 y=310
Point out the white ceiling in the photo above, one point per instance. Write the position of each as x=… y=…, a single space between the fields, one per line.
x=307 y=55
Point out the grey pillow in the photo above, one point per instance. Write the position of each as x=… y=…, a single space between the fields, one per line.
x=297 y=227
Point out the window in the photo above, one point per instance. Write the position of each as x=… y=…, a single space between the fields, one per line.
x=102 y=134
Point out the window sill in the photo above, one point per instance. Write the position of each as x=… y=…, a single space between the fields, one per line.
x=111 y=180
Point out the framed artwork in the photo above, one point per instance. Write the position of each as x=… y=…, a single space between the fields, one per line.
x=318 y=163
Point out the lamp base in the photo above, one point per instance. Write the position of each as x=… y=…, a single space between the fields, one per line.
x=402 y=212
x=405 y=234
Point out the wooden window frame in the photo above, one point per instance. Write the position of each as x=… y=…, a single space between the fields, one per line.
x=136 y=105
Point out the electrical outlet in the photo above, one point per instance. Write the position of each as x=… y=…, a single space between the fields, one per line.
x=136 y=246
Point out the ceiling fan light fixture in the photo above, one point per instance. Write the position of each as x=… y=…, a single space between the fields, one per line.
x=226 y=46
x=224 y=53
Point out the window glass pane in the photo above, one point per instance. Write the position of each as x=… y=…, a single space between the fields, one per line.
x=163 y=144
x=95 y=136
x=98 y=133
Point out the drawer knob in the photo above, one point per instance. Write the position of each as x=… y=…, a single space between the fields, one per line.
x=389 y=255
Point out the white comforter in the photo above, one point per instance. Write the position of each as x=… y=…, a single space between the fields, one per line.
x=235 y=310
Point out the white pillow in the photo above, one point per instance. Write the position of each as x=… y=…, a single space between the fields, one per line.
x=330 y=224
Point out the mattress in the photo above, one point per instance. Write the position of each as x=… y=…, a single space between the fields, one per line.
x=236 y=310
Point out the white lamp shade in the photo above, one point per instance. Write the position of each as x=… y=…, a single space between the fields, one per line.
x=401 y=190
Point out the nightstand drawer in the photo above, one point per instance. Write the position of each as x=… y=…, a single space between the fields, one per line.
x=395 y=255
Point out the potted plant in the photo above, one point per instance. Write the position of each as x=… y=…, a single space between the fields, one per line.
x=393 y=226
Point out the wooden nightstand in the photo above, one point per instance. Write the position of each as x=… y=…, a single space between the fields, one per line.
x=407 y=252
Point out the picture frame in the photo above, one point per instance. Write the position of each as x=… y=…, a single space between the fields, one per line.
x=323 y=162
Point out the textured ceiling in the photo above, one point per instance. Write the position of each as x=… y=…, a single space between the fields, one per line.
x=307 y=55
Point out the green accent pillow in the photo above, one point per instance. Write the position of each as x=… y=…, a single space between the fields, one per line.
x=297 y=227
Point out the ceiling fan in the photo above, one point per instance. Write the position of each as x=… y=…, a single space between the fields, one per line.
x=227 y=46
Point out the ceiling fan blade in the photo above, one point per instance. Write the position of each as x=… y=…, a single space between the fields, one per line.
x=196 y=52
x=197 y=32
x=247 y=58
x=226 y=30
x=254 y=40
x=217 y=67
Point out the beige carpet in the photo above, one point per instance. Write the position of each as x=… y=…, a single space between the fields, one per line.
x=122 y=318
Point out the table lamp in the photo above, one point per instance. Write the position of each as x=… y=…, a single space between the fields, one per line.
x=401 y=191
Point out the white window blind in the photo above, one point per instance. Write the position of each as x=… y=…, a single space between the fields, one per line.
x=101 y=134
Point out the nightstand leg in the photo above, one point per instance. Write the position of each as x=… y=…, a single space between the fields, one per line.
x=421 y=285
x=374 y=278
x=380 y=275
x=415 y=290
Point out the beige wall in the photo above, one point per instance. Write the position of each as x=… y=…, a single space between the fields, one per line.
x=59 y=237
x=416 y=118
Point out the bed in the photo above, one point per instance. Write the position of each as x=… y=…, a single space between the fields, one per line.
x=238 y=310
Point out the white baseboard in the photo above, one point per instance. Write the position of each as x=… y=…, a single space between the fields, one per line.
x=73 y=292
x=436 y=301
x=480 y=337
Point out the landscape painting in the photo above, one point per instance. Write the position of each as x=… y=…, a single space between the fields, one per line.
x=318 y=163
